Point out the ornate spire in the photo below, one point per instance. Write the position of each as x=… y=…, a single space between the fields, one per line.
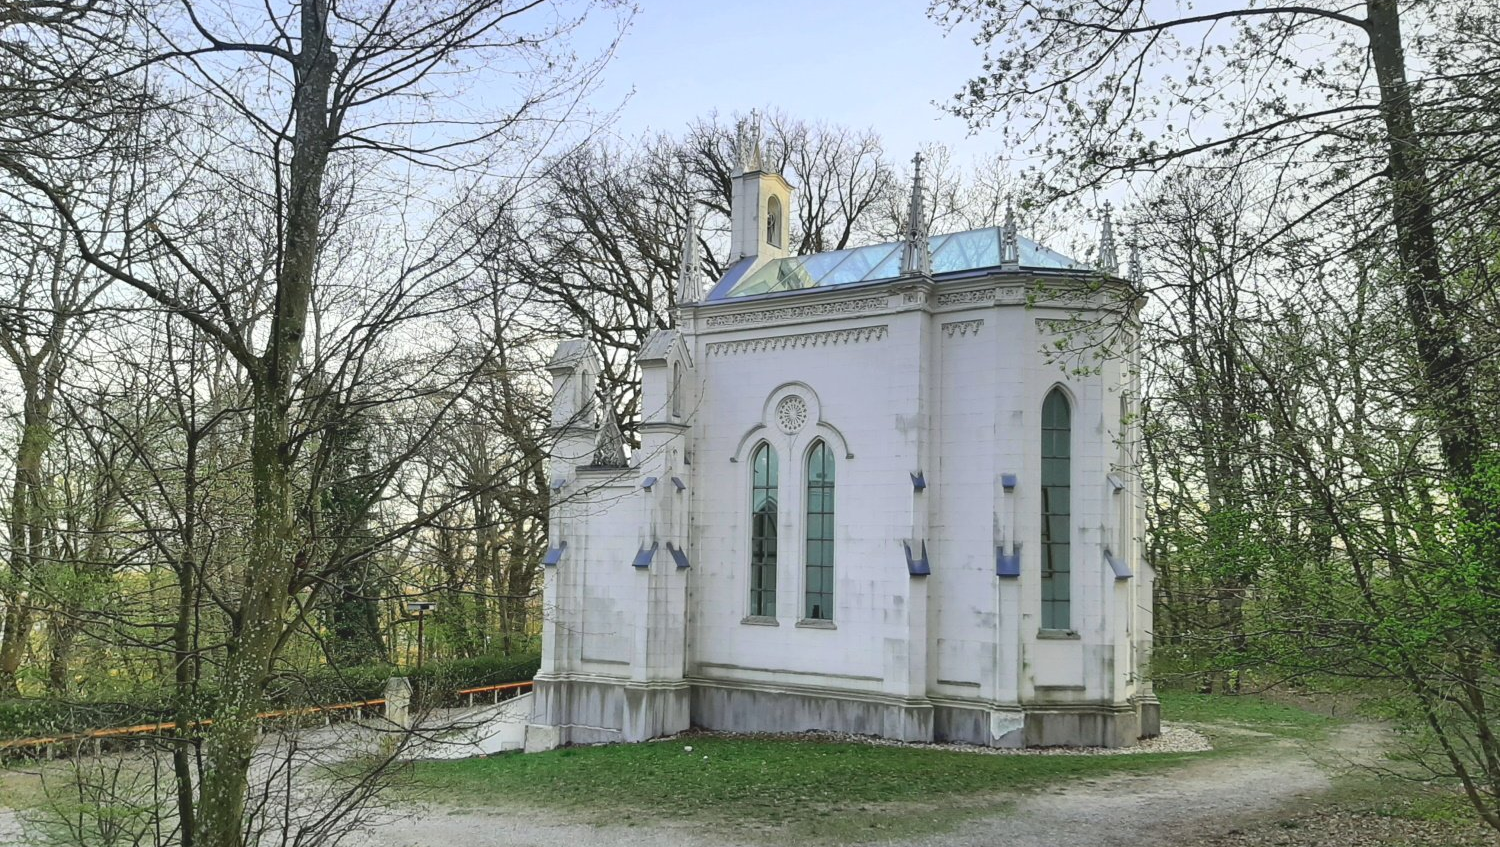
x=609 y=447
x=1133 y=269
x=916 y=257
x=1010 y=243
x=747 y=144
x=1108 y=261
x=690 y=265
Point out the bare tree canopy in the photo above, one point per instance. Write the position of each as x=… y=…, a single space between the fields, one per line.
x=1318 y=202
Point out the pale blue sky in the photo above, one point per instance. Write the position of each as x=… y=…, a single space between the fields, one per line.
x=863 y=63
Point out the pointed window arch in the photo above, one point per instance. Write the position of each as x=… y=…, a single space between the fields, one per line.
x=818 y=587
x=676 y=389
x=773 y=221
x=763 y=497
x=1057 y=510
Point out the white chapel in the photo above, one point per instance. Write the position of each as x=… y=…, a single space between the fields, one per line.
x=889 y=490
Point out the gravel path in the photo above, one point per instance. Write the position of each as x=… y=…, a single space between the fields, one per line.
x=1203 y=799
x=1172 y=807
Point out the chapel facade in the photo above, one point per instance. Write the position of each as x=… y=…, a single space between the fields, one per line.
x=889 y=490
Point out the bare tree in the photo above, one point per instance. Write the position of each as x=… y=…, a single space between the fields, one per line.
x=344 y=99
x=1369 y=363
x=600 y=239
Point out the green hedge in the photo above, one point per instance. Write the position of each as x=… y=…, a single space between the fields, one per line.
x=35 y=717
x=367 y=682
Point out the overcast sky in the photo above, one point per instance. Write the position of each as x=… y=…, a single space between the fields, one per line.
x=863 y=63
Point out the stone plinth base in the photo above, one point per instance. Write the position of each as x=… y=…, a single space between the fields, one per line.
x=966 y=723
x=594 y=710
x=1082 y=725
x=591 y=710
x=1149 y=709
x=737 y=707
x=540 y=738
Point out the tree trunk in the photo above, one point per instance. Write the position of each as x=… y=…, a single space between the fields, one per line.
x=1436 y=320
x=62 y=630
x=25 y=531
x=259 y=622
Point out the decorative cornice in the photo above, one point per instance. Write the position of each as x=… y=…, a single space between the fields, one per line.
x=1007 y=293
x=809 y=339
x=962 y=328
x=1061 y=326
x=812 y=310
x=978 y=295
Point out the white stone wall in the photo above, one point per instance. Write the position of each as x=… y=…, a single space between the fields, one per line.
x=944 y=379
x=744 y=377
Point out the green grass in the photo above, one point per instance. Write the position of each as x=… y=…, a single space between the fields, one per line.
x=814 y=789
x=19 y=789
x=1426 y=804
x=1247 y=711
x=819 y=790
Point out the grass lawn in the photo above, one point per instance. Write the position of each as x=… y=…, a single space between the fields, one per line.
x=814 y=789
x=1248 y=711
x=20 y=787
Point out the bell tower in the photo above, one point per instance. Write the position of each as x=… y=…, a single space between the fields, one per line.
x=760 y=203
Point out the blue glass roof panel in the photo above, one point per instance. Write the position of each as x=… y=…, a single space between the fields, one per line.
x=858 y=263
x=819 y=265
x=951 y=253
x=1034 y=255
x=963 y=251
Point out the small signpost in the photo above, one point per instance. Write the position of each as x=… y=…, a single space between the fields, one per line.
x=420 y=608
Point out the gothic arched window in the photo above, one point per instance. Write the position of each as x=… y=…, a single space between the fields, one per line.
x=773 y=221
x=676 y=389
x=818 y=589
x=763 y=486
x=1057 y=510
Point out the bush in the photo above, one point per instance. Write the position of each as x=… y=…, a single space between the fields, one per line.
x=44 y=717
x=441 y=680
x=367 y=682
x=31 y=718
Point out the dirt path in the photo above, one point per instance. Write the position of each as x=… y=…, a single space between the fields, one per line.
x=1210 y=797
x=1170 y=807
x=296 y=764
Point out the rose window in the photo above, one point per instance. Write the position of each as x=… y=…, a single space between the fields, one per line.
x=791 y=414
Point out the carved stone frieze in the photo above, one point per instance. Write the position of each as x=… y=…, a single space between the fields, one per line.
x=962 y=328
x=957 y=298
x=809 y=339
x=983 y=296
x=812 y=310
x=1061 y=326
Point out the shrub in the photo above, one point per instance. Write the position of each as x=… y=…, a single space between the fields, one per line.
x=433 y=685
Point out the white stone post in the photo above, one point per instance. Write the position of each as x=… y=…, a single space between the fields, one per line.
x=398 y=701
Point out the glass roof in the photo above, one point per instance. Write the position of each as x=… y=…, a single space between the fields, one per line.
x=959 y=251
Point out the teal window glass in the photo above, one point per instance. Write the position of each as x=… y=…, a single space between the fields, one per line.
x=1057 y=510
x=763 y=486
x=818 y=591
